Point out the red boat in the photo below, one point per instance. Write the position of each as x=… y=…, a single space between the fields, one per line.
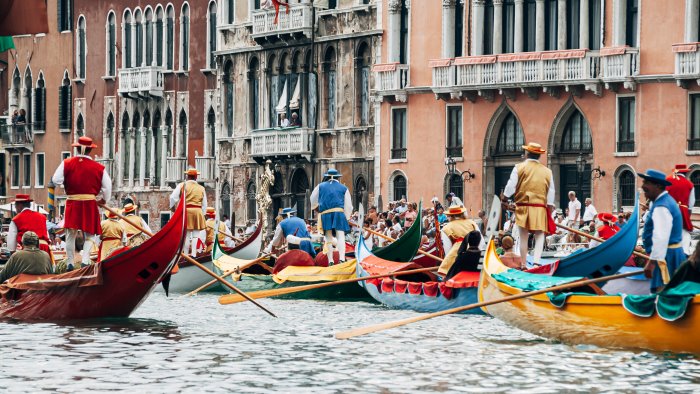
x=114 y=287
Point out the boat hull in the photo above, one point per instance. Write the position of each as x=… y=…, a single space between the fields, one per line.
x=589 y=319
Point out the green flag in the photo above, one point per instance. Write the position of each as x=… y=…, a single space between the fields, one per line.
x=6 y=43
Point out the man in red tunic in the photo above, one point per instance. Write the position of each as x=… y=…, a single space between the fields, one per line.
x=87 y=184
x=27 y=220
x=683 y=191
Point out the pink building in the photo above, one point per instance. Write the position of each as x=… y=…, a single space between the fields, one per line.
x=608 y=87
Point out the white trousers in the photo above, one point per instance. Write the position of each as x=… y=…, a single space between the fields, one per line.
x=90 y=241
x=340 y=237
x=539 y=244
x=191 y=238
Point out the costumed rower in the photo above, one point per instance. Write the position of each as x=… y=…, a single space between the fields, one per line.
x=30 y=260
x=134 y=236
x=113 y=236
x=608 y=228
x=662 y=232
x=532 y=188
x=196 y=201
x=222 y=231
x=453 y=234
x=683 y=191
x=86 y=183
x=333 y=201
x=294 y=231
x=27 y=220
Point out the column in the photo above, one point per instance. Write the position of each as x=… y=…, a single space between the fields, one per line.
x=497 y=26
x=539 y=35
x=583 y=25
x=477 y=29
x=561 y=24
x=164 y=130
x=132 y=149
x=394 y=52
x=152 y=163
x=619 y=22
x=448 y=29
x=518 y=29
x=142 y=156
x=692 y=13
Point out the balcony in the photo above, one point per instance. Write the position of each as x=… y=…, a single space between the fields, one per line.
x=18 y=136
x=619 y=65
x=482 y=74
x=175 y=169
x=297 y=24
x=141 y=82
x=687 y=63
x=109 y=166
x=391 y=80
x=206 y=167
x=282 y=143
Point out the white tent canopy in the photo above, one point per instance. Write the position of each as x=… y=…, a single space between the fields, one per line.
x=11 y=208
x=282 y=104
x=294 y=103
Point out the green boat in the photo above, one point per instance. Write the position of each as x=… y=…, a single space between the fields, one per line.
x=404 y=249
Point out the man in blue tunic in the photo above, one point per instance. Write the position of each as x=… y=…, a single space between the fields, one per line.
x=333 y=201
x=663 y=230
x=293 y=230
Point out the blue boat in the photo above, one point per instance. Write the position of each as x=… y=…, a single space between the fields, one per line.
x=430 y=296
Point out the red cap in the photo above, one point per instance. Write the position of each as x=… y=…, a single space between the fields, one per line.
x=84 y=142
x=681 y=168
x=23 y=198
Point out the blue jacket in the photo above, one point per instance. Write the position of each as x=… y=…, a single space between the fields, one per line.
x=331 y=194
x=677 y=228
x=294 y=224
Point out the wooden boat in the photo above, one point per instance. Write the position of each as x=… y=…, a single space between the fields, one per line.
x=190 y=277
x=599 y=320
x=114 y=287
x=410 y=292
x=404 y=249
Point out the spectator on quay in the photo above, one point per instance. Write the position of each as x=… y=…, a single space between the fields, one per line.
x=574 y=215
x=401 y=206
x=396 y=229
x=589 y=213
x=15 y=115
x=481 y=221
x=410 y=215
x=442 y=218
x=453 y=201
x=22 y=117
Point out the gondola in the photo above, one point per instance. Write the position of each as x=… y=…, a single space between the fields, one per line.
x=404 y=249
x=113 y=288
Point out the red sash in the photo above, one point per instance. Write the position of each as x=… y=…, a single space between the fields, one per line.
x=551 y=225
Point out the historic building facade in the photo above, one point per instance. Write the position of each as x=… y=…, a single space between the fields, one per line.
x=312 y=69
x=597 y=82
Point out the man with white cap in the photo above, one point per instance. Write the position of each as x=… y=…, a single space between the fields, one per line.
x=334 y=204
x=87 y=184
x=294 y=231
x=196 y=204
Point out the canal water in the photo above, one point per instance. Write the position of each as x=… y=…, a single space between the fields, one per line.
x=196 y=345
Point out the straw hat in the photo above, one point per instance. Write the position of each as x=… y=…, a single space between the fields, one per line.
x=456 y=210
x=534 y=147
x=192 y=172
x=211 y=212
x=129 y=208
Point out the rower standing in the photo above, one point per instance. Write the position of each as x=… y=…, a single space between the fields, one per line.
x=113 y=236
x=27 y=220
x=532 y=187
x=222 y=231
x=662 y=232
x=196 y=204
x=294 y=231
x=333 y=201
x=683 y=191
x=453 y=234
x=131 y=223
x=87 y=184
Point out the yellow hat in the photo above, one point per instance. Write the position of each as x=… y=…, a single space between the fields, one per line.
x=534 y=147
x=129 y=208
x=211 y=212
x=192 y=172
x=111 y=214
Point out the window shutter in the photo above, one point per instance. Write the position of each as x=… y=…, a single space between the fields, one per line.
x=69 y=109
x=61 y=107
x=37 y=110
x=59 y=14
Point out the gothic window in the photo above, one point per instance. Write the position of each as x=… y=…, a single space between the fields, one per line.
x=211 y=44
x=138 y=34
x=109 y=137
x=40 y=104
x=169 y=130
x=170 y=38
x=626 y=183
x=254 y=93
x=577 y=135
x=330 y=86
x=363 y=73
x=136 y=124
x=211 y=131
x=228 y=97
x=398 y=133
x=125 y=146
x=81 y=48
x=185 y=37
x=182 y=135
x=454 y=131
x=250 y=200
x=157 y=147
x=631 y=22
x=146 y=145
x=148 y=22
x=111 y=30
x=159 y=36
x=399 y=185
x=126 y=39
x=510 y=137
x=403 y=38
x=456 y=185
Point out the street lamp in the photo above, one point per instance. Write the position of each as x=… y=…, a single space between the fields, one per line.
x=580 y=167
x=451 y=165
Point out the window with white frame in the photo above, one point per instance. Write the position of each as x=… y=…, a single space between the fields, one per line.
x=694 y=129
x=81 y=48
x=146 y=216
x=111 y=42
x=148 y=30
x=169 y=37
x=211 y=33
x=625 y=123
x=398 y=133
x=454 y=131
x=164 y=218
x=40 y=169
x=126 y=39
x=65 y=104
x=185 y=38
x=159 y=35
x=138 y=36
x=27 y=170
x=230 y=11
x=14 y=162
x=65 y=155
x=40 y=104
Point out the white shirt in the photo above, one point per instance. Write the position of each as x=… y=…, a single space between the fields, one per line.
x=175 y=196
x=663 y=223
x=589 y=213
x=106 y=186
x=12 y=234
x=284 y=122
x=574 y=210
x=347 y=203
x=456 y=202
x=509 y=190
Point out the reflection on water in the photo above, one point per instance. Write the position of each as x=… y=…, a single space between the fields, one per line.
x=195 y=344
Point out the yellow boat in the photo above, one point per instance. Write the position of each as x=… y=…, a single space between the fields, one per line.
x=599 y=320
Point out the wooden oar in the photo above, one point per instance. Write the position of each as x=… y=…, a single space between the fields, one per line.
x=388 y=238
x=196 y=263
x=234 y=298
x=228 y=235
x=385 y=326
x=601 y=240
x=226 y=274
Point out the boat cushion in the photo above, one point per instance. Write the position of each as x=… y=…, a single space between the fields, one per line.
x=294 y=258
x=430 y=289
x=400 y=286
x=336 y=272
x=530 y=282
x=387 y=285
x=671 y=304
x=445 y=290
x=464 y=279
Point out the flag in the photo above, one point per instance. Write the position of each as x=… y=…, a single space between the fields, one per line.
x=19 y=17
x=6 y=43
x=438 y=240
x=276 y=4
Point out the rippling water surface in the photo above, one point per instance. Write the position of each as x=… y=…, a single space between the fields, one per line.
x=196 y=345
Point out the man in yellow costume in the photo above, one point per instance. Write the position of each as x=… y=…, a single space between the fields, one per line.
x=196 y=204
x=113 y=236
x=131 y=224
x=532 y=188
x=453 y=234
x=211 y=229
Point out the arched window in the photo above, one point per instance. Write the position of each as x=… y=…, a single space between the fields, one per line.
x=211 y=33
x=225 y=198
x=254 y=92
x=230 y=11
x=136 y=124
x=626 y=181
x=399 y=185
x=138 y=34
x=126 y=39
x=27 y=95
x=158 y=158
x=146 y=144
x=81 y=47
x=159 y=36
x=65 y=104
x=228 y=97
x=111 y=42
x=148 y=22
x=250 y=200
x=40 y=104
x=170 y=38
x=510 y=137
x=363 y=72
x=300 y=186
x=16 y=86
x=185 y=38
x=182 y=135
x=455 y=185
x=169 y=130
x=126 y=156
x=211 y=133
x=109 y=137
x=329 y=66
x=577 y=135
x=695 y=178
